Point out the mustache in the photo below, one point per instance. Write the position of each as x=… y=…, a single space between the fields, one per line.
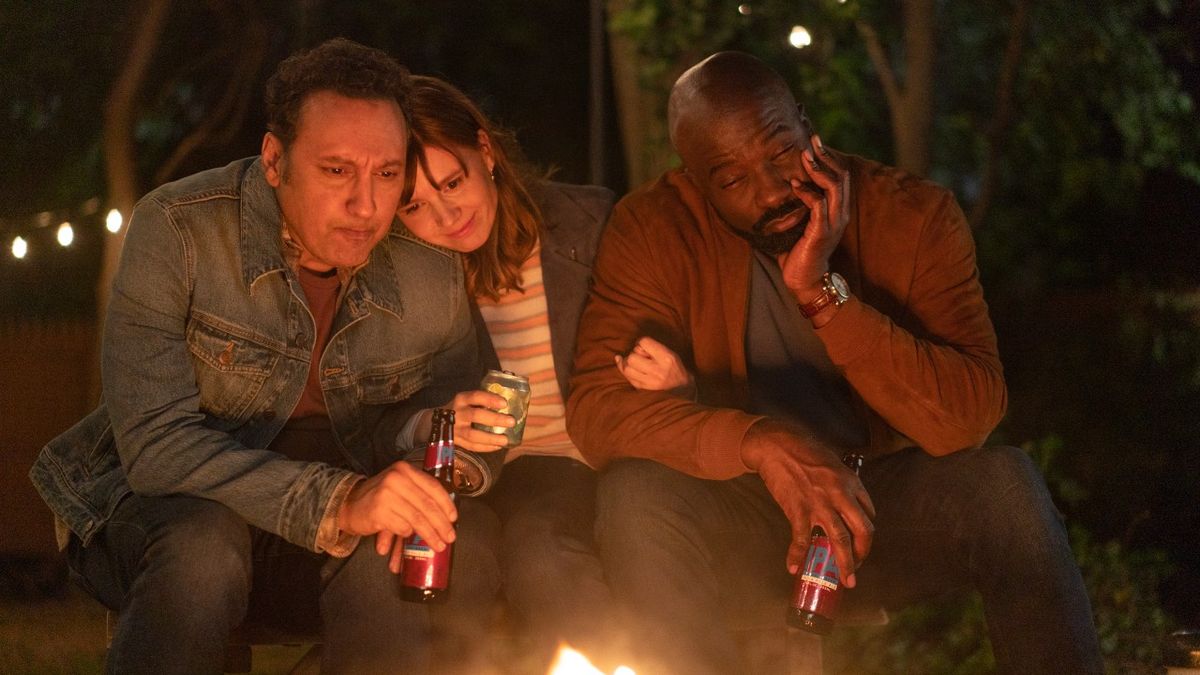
x=784 y=209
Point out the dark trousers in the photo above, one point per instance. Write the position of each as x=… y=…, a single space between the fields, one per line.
x=688 y=557
x=553 y=580
x=184 y=571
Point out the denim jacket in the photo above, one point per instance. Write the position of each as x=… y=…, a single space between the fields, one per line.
x=207 y=346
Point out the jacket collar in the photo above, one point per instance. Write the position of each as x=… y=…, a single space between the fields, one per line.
x=569 y=228
x=261 y=222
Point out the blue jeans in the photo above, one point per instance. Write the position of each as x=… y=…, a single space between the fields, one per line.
x=184 y=571
x=553 y=580
x=691 y=557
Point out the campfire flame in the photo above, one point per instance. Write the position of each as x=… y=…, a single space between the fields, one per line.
x=570 y=662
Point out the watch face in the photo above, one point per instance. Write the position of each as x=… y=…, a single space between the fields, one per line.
x=839 y=285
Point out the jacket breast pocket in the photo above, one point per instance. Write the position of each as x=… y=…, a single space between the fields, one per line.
x=394 y=382
x=230 y=369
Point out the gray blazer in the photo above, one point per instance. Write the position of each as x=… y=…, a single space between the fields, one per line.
x=573 y=216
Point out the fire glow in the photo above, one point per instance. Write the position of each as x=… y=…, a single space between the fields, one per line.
x=570 y=662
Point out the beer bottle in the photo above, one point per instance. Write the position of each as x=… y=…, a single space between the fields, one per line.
x=819 y=583
x=425 y=575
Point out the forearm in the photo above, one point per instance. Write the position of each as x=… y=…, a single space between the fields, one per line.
x=608 y=420
x=931 y=370
x=943 y=398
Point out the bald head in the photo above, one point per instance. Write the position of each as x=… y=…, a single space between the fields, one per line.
x=736 y=126
x=723 y=83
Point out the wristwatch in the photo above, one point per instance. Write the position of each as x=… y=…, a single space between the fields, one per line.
x=835 y=292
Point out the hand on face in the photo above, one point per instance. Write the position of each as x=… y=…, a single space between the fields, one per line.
x=805 y=265
x=652 y=366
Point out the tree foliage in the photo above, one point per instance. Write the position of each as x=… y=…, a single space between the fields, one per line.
x=1096 y=106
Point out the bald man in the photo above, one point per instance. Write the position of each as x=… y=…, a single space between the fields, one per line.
x=825 y=304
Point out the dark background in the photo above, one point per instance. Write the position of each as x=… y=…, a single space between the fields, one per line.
x=1090 y=256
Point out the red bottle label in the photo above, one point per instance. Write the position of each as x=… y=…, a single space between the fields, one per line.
x=425 y=567
x=819 y=582
x=438 y=455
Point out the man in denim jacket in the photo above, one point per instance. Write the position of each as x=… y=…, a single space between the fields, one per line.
x=269 y=338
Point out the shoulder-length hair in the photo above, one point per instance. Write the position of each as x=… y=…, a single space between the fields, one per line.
x=441 y=116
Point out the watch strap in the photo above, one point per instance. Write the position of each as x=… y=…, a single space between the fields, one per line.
x=829 y=296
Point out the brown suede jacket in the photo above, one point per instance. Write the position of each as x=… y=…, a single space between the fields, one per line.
x=914 y=340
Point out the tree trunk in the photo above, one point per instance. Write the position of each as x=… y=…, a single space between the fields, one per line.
x=910 y=103
x=120 y=160
x=1002 y=119
x=641 y=109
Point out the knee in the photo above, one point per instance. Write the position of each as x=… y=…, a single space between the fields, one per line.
x=641 y=500
x=1012 y=503
x=476 y=570
x=207 y=546
x=1008 y=480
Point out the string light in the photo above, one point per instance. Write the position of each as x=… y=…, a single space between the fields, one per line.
x=29 y=231
x=114 y=221
x=745 y=10
x=799 y=37
x=66 y=234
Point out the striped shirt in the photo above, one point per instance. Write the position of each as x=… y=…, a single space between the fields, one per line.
x=520 y=330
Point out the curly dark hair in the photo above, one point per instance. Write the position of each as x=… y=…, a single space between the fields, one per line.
x=338 y=65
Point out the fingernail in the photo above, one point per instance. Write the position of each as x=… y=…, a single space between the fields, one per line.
x=817 y=140
x=793 y=569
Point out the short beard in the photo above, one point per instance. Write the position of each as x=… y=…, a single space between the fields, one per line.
x=776 y=243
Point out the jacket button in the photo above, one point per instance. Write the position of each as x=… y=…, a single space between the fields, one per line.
x=268 y=415
x=226 y=357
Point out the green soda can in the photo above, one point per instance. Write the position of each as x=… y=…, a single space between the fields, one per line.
x=515 y=390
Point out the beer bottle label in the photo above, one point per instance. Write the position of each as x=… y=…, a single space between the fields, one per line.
x=439 y=454
x=818 y=586
x=820 y=567
x=424 y=567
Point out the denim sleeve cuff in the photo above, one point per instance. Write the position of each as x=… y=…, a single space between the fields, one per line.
x=475 y=476
x=330 y=538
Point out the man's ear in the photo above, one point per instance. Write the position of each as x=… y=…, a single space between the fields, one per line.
x=272 y=159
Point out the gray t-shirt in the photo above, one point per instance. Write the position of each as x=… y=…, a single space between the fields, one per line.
x=791 y=377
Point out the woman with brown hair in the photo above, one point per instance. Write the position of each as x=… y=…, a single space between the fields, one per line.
x=527 y=246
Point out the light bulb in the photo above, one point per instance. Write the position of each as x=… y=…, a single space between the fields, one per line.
x=799 y=37
x=114 y=221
